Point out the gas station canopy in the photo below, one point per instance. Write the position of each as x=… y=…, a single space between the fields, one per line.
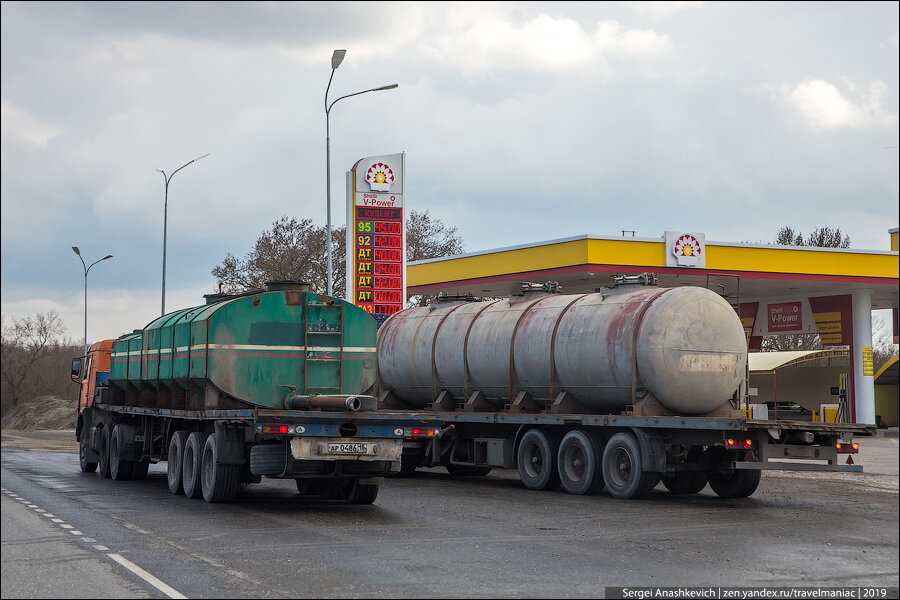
x=737 y=271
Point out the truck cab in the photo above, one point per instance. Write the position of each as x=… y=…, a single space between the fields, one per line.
x=91 y=372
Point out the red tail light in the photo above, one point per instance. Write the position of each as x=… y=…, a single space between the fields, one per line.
x=733 y=444
x=847 y=448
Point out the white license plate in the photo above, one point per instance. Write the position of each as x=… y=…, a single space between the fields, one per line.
x=348 y=448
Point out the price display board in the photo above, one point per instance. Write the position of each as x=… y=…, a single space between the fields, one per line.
x=376 y=269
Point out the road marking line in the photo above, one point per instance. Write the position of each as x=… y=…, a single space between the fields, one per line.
x=49 y=515
x=66 y=526
x=40 y=510
x=76 y=532
x=101 y=547
x=162 y=587
x=88 y=540
x=57 y=520
x=32 y=505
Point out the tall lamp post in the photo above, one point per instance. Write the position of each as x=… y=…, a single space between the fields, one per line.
x=86 y=269
x=336 y=59
x=168 y=178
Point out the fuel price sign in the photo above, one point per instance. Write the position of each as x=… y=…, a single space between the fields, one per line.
x=376 y=269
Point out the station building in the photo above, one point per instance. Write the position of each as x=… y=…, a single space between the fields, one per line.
x=776 y=290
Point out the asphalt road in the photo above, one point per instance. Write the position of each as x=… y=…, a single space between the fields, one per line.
x=434 y=536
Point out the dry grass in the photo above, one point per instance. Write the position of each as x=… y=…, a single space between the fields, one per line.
x=45 y=412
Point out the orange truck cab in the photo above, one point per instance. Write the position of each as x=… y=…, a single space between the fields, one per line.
x=92 y=374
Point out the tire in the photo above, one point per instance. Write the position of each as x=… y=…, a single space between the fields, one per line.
x=408 y=468
x=104 y=451
x=191 y=467
x=218 y=483
x=86 y=465
x=267 y=459
x=688 y=482
x=579 y=463
x=309 y=487
x=738 y=484
x=176 y=456
x=139 y=473
x=364 y=493
x=536 y=459
x=352 y=491
x=622 y=468
x=467 y=470
x=119 y=468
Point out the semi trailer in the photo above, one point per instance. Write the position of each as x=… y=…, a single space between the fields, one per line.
x=616 y=390
x=271 y=383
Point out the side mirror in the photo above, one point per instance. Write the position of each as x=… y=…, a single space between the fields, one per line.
x=76 y=370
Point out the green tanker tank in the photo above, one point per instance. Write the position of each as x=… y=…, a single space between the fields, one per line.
x=255 y=349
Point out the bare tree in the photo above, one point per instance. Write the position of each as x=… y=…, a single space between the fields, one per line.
x=428 y=237
x=883 y=346
x=788 y=237
x=27 y=345
x=784 y=343
x=291 y=249
x=826 y=237
x=295 y=249
x=823 y=237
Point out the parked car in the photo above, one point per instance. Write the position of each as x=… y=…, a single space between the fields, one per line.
x=790 y=411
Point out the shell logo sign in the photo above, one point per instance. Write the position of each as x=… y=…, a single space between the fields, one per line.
x=376 y=235
x=685 y=249
x=380 y=177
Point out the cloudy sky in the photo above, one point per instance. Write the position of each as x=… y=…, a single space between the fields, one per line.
x=521 y=122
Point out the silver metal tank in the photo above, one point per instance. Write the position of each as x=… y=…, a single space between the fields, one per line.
x=684 y=345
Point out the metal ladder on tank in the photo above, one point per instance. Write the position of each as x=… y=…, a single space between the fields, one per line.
x=340 y=359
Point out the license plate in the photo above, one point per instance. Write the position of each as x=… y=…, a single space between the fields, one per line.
x=348 y=448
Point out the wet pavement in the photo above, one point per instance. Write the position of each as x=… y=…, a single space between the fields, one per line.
x=437 y=536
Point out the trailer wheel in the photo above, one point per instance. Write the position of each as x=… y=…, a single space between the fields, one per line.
x=623 y=468
x=191 y=467
x=352 y=491
x=579 y=460
x=688 y=482
x=365 y=493
x=219 y=483
x=176 y=457
x=139 y=473
x=309 y=487
x=536 y=460
x=408 y=466
x=104 y=451
x=119 y=468
x=86 y=465
x=738 y=484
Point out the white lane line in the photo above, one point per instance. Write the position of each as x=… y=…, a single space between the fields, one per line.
x=88 y=540
x=162 y=587
x=158 y=584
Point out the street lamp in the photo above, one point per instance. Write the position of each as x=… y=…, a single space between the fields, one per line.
x=86 y=269
x=168 y=178
x=336 y=59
